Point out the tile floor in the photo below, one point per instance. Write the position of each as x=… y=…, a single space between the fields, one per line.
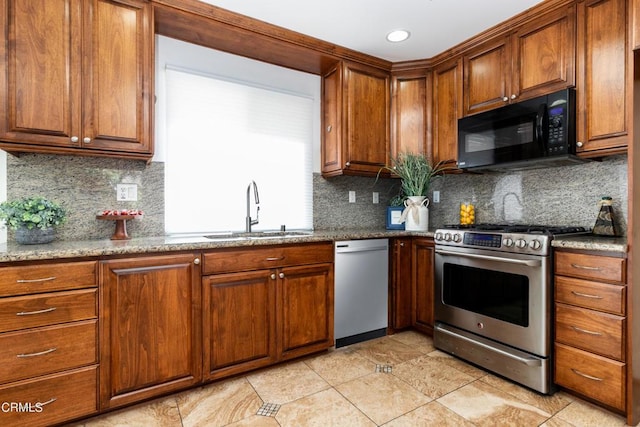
x=398 y=380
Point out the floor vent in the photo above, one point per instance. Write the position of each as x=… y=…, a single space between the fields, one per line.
x=385 y=369
x=268 y=409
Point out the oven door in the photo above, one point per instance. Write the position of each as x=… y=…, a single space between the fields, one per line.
x=503 y=297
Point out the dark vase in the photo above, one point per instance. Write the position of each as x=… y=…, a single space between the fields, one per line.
x=34 y=236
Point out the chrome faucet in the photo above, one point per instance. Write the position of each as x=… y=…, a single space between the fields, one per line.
x=249 y=221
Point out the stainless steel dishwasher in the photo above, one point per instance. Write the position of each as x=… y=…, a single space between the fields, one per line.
x=361 y=290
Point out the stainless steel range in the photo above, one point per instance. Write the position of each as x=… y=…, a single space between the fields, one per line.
x=493 y=298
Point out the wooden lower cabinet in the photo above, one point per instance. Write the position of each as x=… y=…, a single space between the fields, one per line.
x=239 y=322
x=423 y=279
x=51 y=399
x=411 y=284
x=150 y=332
x=48 y=343
x=590 y=326
x=257 y=317
x=305 y=302
x=400 y=280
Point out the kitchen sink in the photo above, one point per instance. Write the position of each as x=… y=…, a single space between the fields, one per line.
x=257 y=235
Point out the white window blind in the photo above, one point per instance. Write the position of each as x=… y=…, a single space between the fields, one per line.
x=223 y=134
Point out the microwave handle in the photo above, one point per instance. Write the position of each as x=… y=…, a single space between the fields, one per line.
x=539 y=128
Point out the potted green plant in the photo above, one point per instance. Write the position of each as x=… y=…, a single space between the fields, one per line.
x=416 y=173
x=33 y=218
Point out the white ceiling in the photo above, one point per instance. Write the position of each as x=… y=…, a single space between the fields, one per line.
x=362 y=25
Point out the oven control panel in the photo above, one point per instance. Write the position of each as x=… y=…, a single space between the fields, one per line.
x=482 y=239
x=535 y=244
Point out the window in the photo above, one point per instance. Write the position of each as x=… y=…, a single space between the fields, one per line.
x=222 y=133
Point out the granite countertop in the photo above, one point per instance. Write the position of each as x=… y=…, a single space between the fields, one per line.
x=592 y=242
x=11 y=252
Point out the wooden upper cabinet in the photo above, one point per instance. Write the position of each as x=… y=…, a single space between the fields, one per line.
x=355 y=137
x=536 y=58
x=75 y=77
x=446 y=110
x=409 y=106
x=602 y=126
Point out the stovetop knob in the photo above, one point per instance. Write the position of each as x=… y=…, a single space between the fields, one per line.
x=447 y=237
x=535 y=244
x=438 y=236
x=507 y=242
x=456 y=238
x=521 y=243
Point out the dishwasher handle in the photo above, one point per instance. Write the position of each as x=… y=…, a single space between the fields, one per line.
x=342 y=249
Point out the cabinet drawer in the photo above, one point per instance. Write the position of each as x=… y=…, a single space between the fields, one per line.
x=42 y=351
x=241 y=259
x=31 y=311
x=590 y=330
x=609 y=269
x=52 y=399
x=591 y=375
x=595 y=295
x=33 y=279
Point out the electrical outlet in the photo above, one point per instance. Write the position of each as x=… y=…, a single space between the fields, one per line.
x=126 y=192
x=436 y=197
x=352 y=196
x=376 y=197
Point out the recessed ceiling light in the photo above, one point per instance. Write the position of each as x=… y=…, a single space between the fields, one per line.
x=396 y=36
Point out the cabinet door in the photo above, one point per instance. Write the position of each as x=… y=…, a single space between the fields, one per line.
x=118 y=40
x=150 y=327
x=487 y=76
x=409 y=114
x=305 y=302
x=239 y=322
x=447 y=107
x=602 y=126
x=400 y=310
x=40 y=64
x=544 y=52
x=423 y=298
x=331 y=150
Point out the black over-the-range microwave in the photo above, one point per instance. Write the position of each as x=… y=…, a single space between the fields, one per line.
x=533 y=133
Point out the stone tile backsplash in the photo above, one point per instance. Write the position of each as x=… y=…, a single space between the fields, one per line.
x=559 y=196
x=86 y=185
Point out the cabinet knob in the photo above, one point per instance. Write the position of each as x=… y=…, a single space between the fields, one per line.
x=347 y=164
x=329 y=128
x=505 y=99
x=513 y=96
x=196 y=261
x=281 y=275
x=86 y=140
x=74 y=139
x=579 y=144
x=273 y=276
x=402 y=244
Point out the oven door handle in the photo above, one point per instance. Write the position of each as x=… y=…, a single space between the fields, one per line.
x=527 y=262
x=526 y=361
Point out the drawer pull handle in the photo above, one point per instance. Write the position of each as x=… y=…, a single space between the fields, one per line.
x=584 y=331
x=40 y=353
x=586 y=267
x=275 y=258
x=575 y=371
x=44 y=279
x=29 y=313
x=580 y=294
x=53 y=399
